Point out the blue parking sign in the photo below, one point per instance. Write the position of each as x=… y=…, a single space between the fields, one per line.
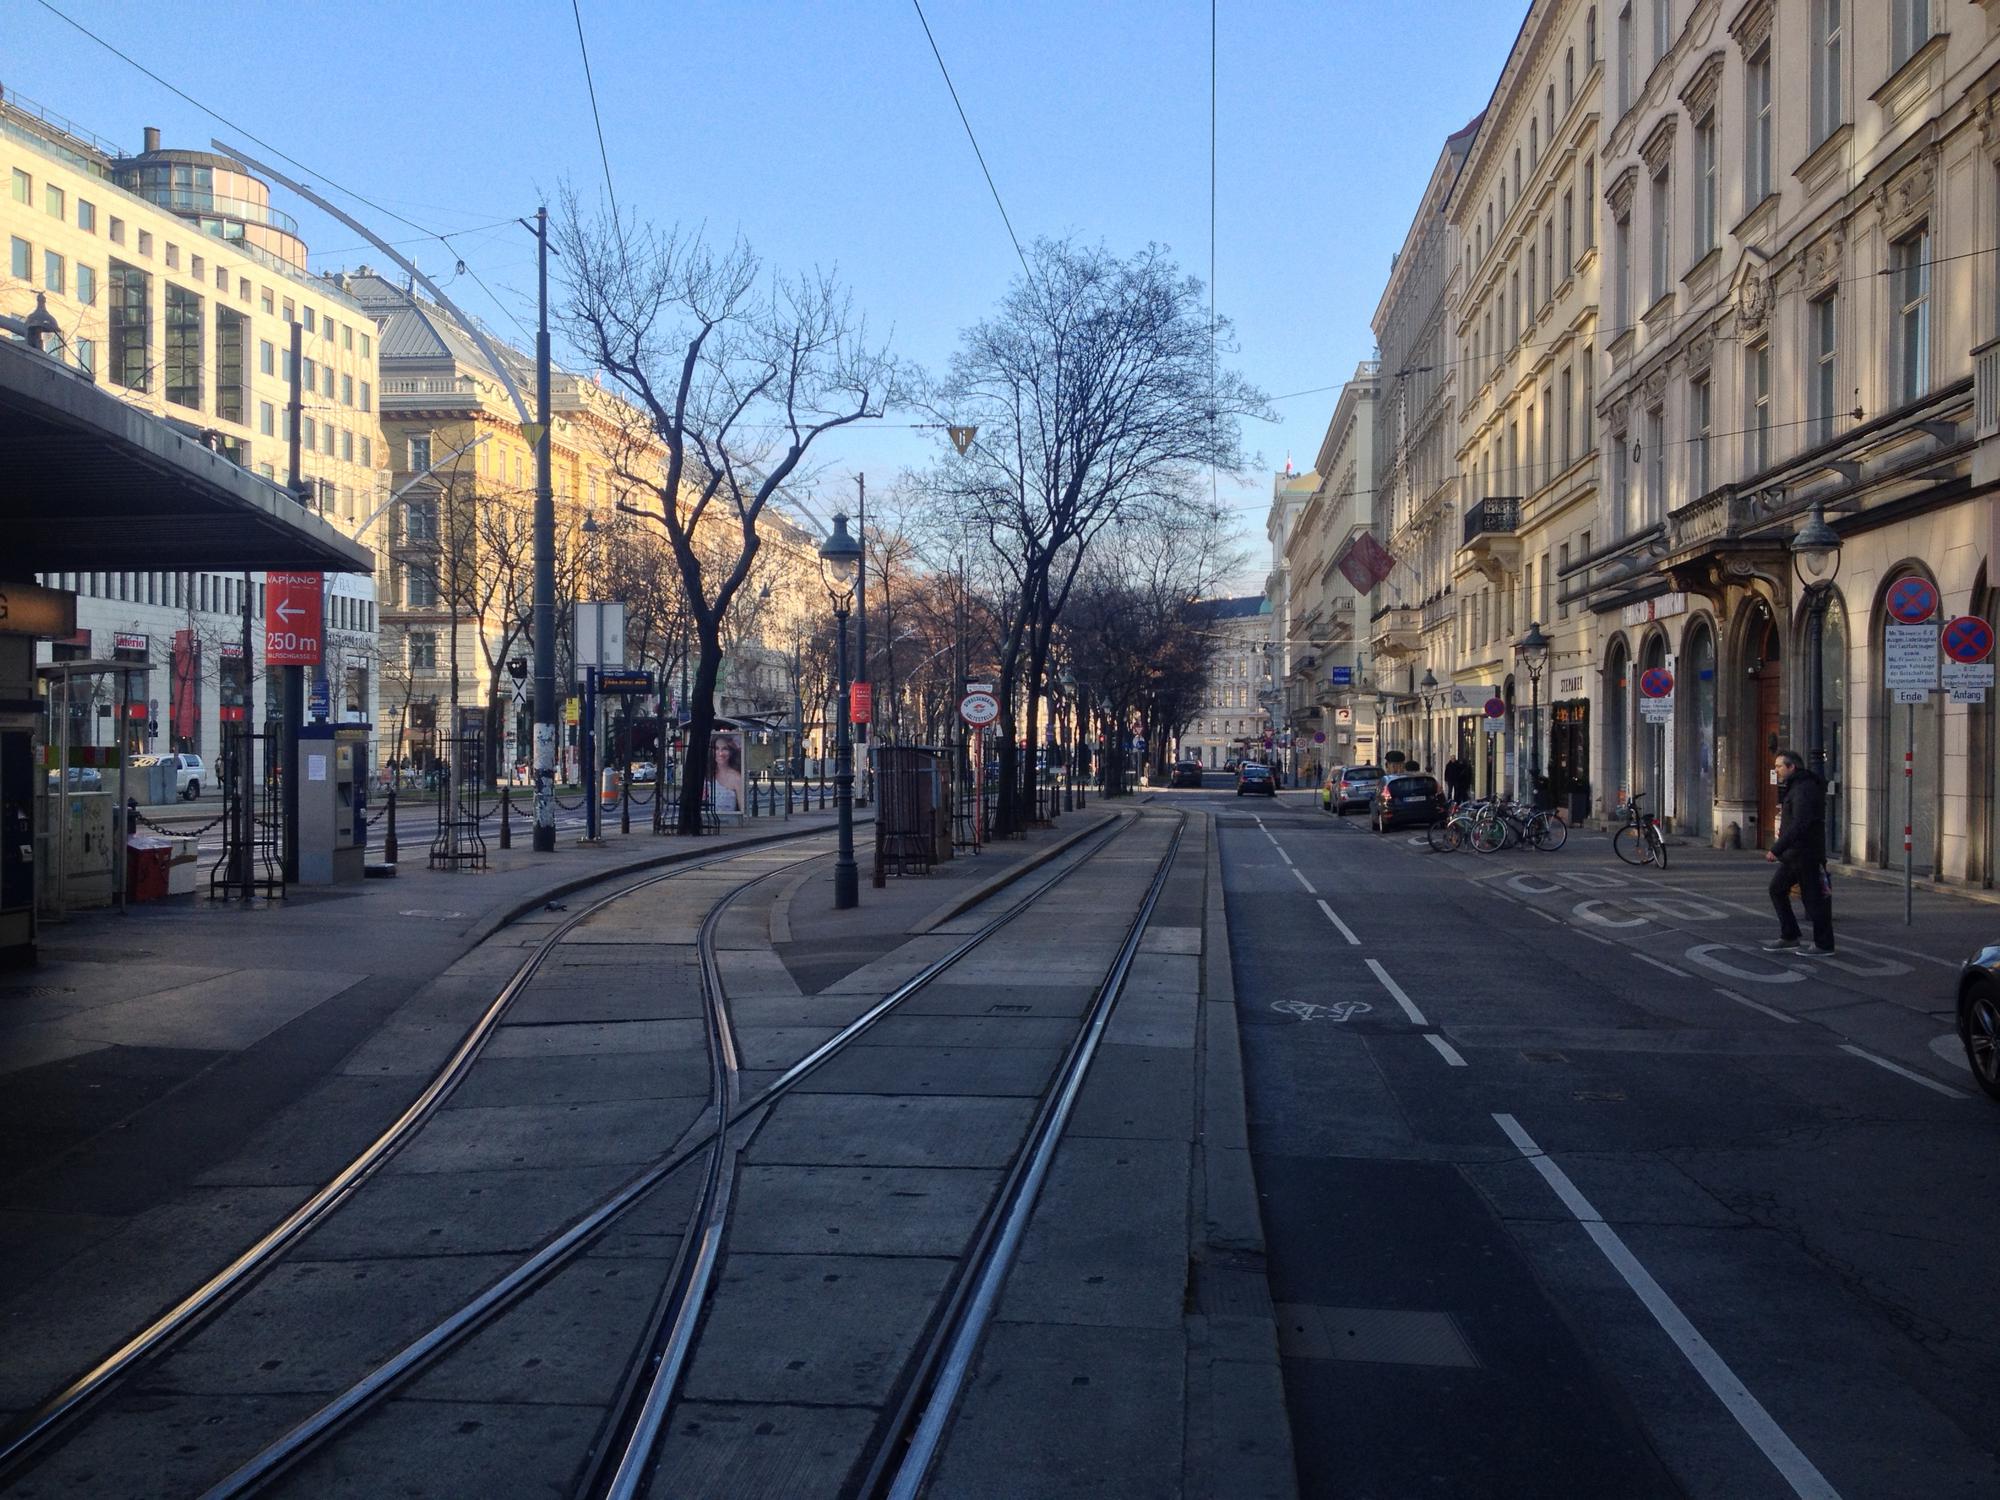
x=1340 y=676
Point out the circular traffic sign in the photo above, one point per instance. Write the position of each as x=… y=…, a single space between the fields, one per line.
x=1496 y=708
x=1913 y=600
x=1319 y=736
x=1967 y=639
x=1656 y=682
x=979 y=709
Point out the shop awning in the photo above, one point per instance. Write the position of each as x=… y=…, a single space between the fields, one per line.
x=89 y=483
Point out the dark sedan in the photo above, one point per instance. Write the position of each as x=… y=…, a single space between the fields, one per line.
x=1979 y=1018
x=1185 y=773
x=1404 y=801
x=1255 y=778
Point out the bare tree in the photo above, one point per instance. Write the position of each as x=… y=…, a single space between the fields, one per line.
x=1097 y=396
x=736 y=375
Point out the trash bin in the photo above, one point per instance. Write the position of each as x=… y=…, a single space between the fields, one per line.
x=1579 y=801
x=148 y=862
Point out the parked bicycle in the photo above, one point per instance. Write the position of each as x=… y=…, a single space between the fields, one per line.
x=1640 y=841
x=1451 y=830
x=1502 y=825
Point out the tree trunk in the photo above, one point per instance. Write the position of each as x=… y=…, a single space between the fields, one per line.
x=700 y=726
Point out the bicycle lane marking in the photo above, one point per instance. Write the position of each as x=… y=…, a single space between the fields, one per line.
x=1897 y=1068
x=1345 y=931
x=1396 y=993
x=1445 y=1049
x=1300 y=876
x=1784 y=1455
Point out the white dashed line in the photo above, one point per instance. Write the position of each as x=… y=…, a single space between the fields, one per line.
x=1545 y=916
x=1345 y=931
x=1646 y=958
x=1445 y=1049
x=1299 y=875
x=1766 y=1009
x=1281 y=852
x=1409 y=1006
x=1806 y=1481
x=1897 y=1068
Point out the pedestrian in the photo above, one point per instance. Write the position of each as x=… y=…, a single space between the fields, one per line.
x=1799 y=852
x=1457 y=779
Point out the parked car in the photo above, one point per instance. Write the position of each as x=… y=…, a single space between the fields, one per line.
x=81 y=779
x=190 y=775
x=1979 y=1018
x=1255 y=777
x=1406 y=800
x=644 y=773
x=1350 y=787
x=1186 y=773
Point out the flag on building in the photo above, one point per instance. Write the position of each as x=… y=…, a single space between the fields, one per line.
x=1365 y=562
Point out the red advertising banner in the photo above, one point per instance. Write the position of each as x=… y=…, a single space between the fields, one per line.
x=861 y=702
x=292 y=619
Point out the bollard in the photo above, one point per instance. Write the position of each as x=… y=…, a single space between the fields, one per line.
x=506 y=819
x=625 y=801
x=389 y=838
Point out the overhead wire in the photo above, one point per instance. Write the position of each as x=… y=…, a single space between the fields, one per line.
x=590 y=84
x=970 y=136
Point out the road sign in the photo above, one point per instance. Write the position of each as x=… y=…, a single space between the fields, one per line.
x=624 y=682
x=292 y=619
x=1340 y=676
x=320 y=704
x=1319 y=736
x=979 y=708
x=1910 y=659
x=1913 y=695
x=1656 y=682
x=1343 y=716
x=1967 y=681
x=1496 y=708
x=1657 y=710
x=1493 y=724
x=860 y=702
x=1968 y=639
x=1913 y=600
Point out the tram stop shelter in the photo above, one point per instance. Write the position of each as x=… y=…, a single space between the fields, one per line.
x=89 y=483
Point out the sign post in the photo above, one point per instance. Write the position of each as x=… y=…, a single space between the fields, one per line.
x=1910 y=672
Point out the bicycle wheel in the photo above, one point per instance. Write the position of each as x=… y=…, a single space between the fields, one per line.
x=1630 y=845
x=1436 y=833
x=1549 y=830
x=1658 y=844
x=1489 y=833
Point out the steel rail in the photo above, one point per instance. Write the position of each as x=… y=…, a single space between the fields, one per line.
x=554 y=1253
x=903 y=1460
x=48 y=1420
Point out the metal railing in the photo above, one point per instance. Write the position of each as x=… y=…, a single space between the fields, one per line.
x=1986 y=390
x=1499 y=515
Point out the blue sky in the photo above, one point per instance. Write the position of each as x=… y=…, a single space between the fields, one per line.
x=824 y=133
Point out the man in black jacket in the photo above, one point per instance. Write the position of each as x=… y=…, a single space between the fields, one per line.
x=1800 y=855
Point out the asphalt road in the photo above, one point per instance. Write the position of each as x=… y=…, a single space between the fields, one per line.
x=1570 y=1190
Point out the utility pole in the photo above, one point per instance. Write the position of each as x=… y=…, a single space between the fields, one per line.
x=861 y=731
x=544 y=624
x=293 y=697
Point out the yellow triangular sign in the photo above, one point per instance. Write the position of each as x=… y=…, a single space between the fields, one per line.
x=961 y=438
x=533 y=431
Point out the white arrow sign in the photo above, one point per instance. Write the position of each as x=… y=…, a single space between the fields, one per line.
x=283 y=610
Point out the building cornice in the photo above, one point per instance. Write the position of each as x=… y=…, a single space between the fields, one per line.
x=1699 y=95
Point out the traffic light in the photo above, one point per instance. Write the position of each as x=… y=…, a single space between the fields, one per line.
x=518 y=669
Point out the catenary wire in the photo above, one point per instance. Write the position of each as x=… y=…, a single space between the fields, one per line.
x=991 y=185
x=590 y=83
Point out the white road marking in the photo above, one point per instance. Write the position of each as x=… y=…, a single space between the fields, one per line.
x=1546 y=916
x=1300 y=876
x=1854 y=942
x=1345 y=931
x=1798 y=1471
x=1704 y=954
x=1646 y=958
x=1950 y=1049
x=1445 y=1049
x=1396 y=990
x=1767 y=1010
x=1587 y=910
x=1882 y=1062
x=1595 y=938
x=1281 y=851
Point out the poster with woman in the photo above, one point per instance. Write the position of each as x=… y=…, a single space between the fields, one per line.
x=725 y=769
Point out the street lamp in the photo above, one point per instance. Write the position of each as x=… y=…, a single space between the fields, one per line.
x=1066 y=685
x=1428 y=688
x=1816 y=562
x=1381 y=708
x=1532 y=651
x=839 y=564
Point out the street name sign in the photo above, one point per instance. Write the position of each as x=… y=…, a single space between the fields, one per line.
x=979 y=708
x=292 y=619
x=1910 y=659
x=1340 y=676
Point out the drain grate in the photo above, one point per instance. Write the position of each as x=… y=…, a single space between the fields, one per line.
x=1372 y=1335
x=1008 y=1010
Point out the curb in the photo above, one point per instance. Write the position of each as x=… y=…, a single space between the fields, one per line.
x=961 y=904
x=1240 y=1434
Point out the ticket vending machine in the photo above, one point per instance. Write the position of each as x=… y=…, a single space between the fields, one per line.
x=332 y=778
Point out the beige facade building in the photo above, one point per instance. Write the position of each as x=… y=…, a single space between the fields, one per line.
x=176 y=285
x=1235 y=716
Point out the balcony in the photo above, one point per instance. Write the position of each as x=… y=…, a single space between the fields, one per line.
x=1986 y=391
x=1490 y=544
x=1396 y=630
x=401 y=393
x=1715 y=517
x=1439 y=610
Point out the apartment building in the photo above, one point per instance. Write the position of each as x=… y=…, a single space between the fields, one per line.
x=177 y=286
x=1527 y=330
x=1332 y=665
x=1803 y=202
x=1235 y=715
x=1297 y=716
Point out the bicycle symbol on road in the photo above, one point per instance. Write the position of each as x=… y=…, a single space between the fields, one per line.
x=1305 y=1010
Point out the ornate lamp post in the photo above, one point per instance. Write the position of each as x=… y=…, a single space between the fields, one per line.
x=1428 y=688
x=1532 y=651
x=1816 y=562
x=1381 y=708
x=1066 y=685
x=839 y=564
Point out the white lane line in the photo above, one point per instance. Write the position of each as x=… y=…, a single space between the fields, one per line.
x=1395 y=989
x=1806 y=1481
x=1882 y=1062
x=1299 y=875
x=1648 y=959
x=1545 y=916
x=1594 y=937
x=1445 y=1049
x=1345 y=931
x=1281 y=852
x=1766 y=1009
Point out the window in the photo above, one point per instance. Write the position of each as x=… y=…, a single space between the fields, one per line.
x=267 y=419
x=1514 y=311
x=308 y=433
x=364 y=346
x=1910 y=301
x=86 y=285
x=197 y=267
x=346 y=337
x=420 y=586
x=53 y=269
x=183 y=347
x=1590 y=38
x=1757 y=387
x=232 y=350
x=24 y=187
x=117 y=230
x=1626 y=57
x=291 y=310
x=1549 y=110
x=1568 y=419
x=267 y=357
x=347 y=445
x=367 y=395
x=311 y=381
x=1700 y=425
x=310 y=326
x=1827 y=35
x=1569 y=79
x=1589 y=204
x=222 y=280
x=1569 y=230
x=23 y=260
x=173 y=256
x=1663 y=232
x=1656 y=465
x=1621 y=272
x=86 y=215
x=1704 y=185
x=326 y=438
x=1910 y=29
x=1549 y=466
x=52 y=201
x=347 y=390
x=1549 y=254
x=1757 y=136
x=367 y=451
x=1663 y=28
x=420 y=454
x=1823 y=321
x=243 y=289
x=146 y=244
x=326 y=380
x=267 y=300
x=1532 y=302
x=1535 y=140
x=422 y=517
x=86 y=356
x=131 y=326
